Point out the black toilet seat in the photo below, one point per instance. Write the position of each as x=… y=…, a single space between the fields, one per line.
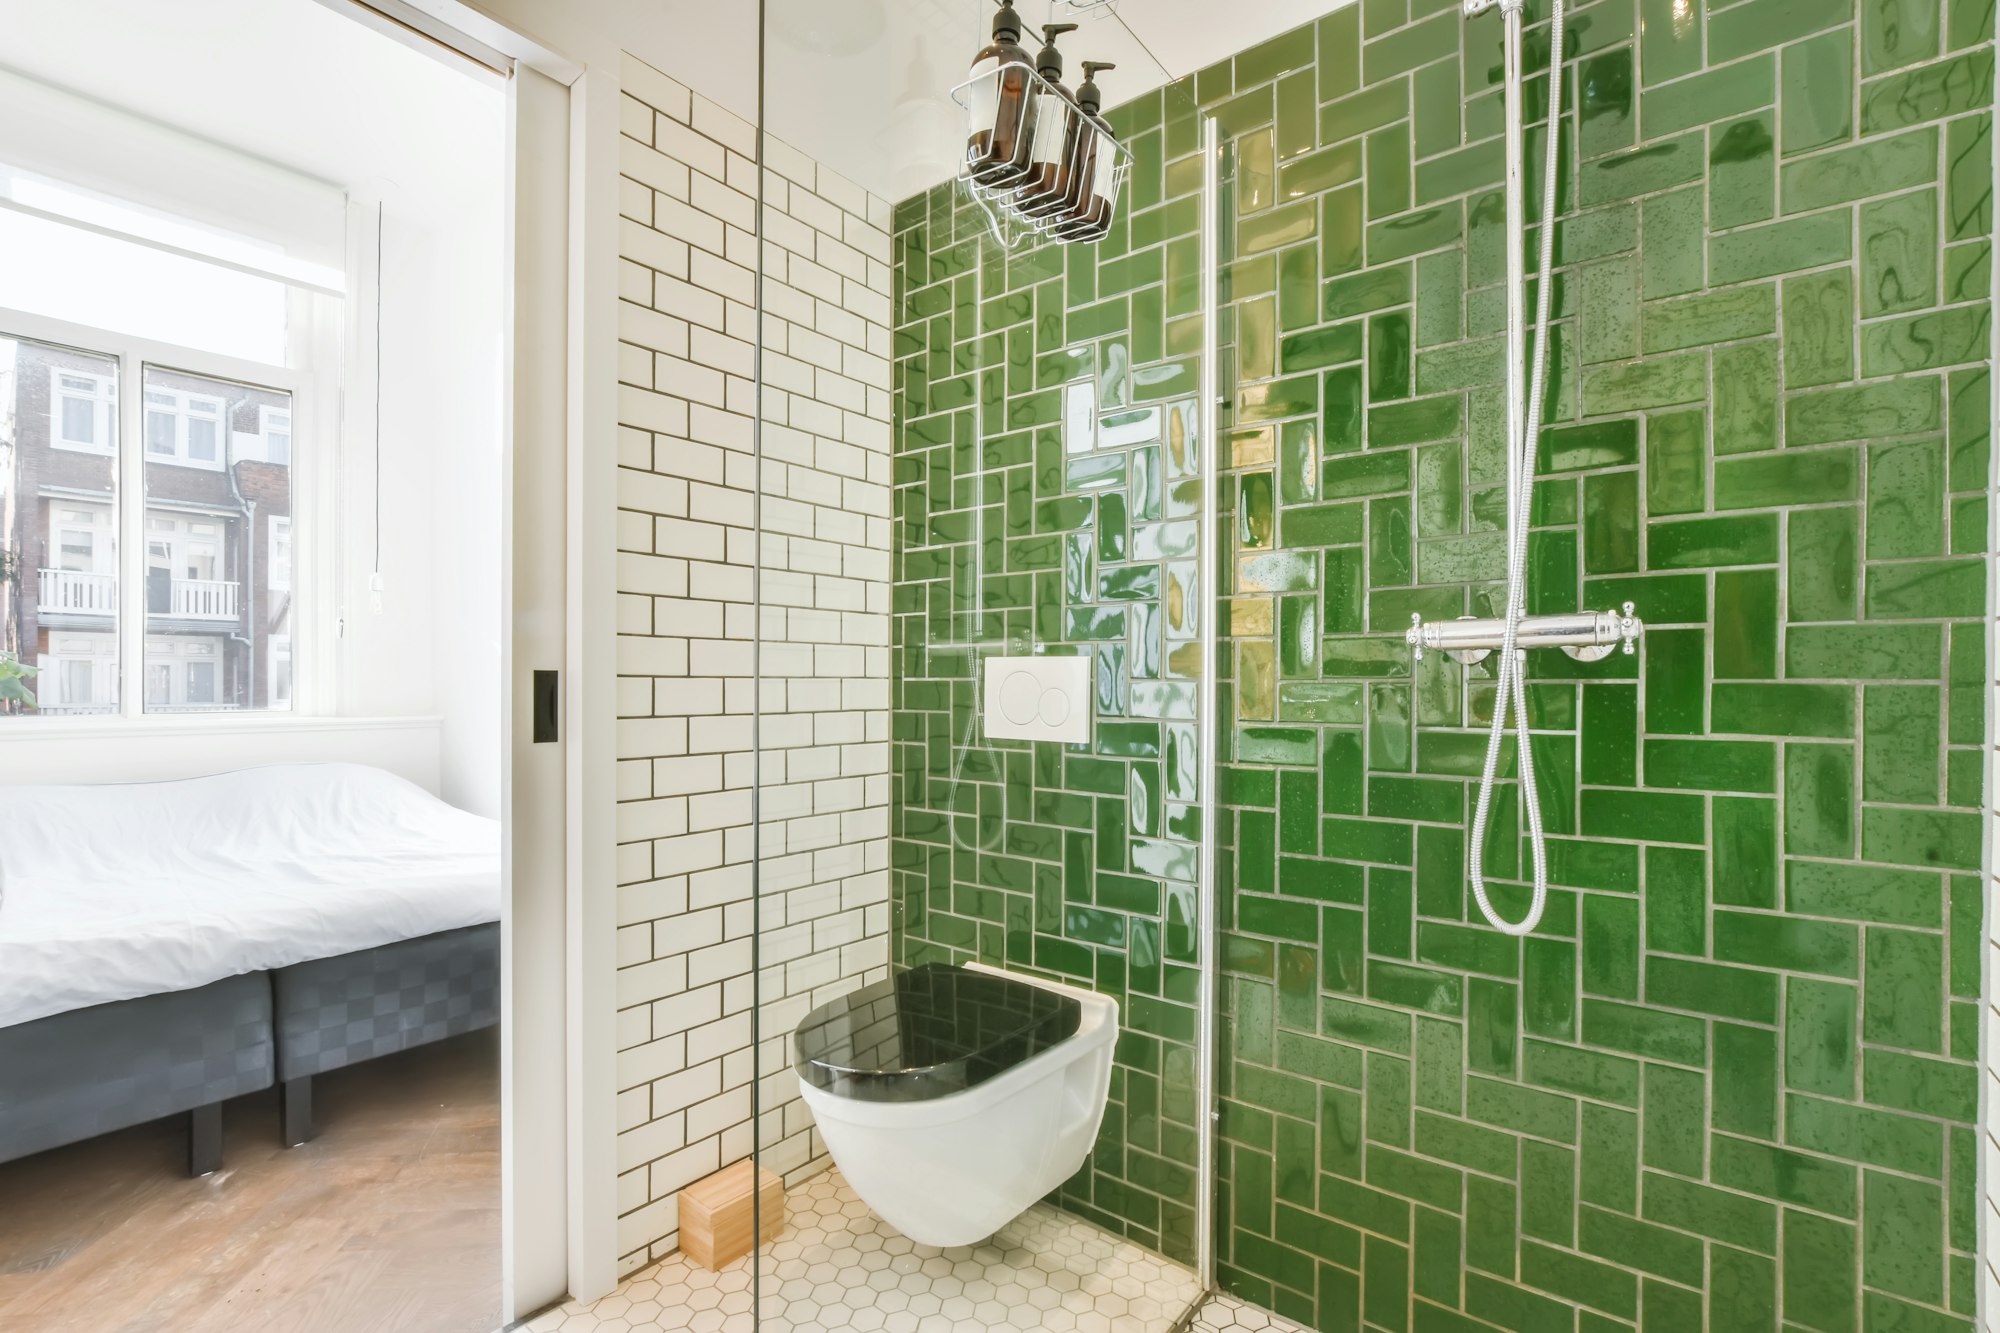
x=929 y=1032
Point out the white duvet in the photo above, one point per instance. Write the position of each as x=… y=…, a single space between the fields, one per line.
x=112 y=892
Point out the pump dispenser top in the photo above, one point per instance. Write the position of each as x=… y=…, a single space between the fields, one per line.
x=1088 y=97
x=1049 y=63
x=1007 y=23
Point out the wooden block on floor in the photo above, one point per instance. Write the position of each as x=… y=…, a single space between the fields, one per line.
x=717 y=1214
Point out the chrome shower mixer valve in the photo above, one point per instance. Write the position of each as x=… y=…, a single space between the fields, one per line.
x=1587 y=636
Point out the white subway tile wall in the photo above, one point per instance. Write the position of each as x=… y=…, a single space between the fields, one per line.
x=689 y=631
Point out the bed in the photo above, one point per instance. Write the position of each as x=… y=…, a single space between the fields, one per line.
x=165 y=946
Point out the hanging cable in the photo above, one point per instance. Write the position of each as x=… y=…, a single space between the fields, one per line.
x=1523 y=448
x=375 y=573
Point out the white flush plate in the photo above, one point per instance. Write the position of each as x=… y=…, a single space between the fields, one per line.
x=1038 y=699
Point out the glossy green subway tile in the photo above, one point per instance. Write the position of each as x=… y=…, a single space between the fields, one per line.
x=1760 y=24
x=1906 y=499
x=1796 y=476
x=1647 y=170
x=1607 y=102
x=1815 y=99
x=1899 y=32
x=1925 y=589
x=1659 y=381
x=1921 y=1084
x=1697 y=542
x=1931 y=92
x=1969 y=177
x=1877 y=166
x=1925 y=342
x=1893 y=407
x=1419 y=44
x=1742 y=186
x=1745 y=397
x=1677 y=463
x=1819 y=329
x=1720 y=316
x=1672 y=40
x=1779 y=247
x=1899 y=239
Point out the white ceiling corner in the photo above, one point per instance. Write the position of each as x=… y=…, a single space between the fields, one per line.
x=878 y=110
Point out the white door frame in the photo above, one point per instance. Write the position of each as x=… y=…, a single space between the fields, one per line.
x=558 y=1109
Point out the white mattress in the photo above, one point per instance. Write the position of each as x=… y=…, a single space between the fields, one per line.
x=112 y=892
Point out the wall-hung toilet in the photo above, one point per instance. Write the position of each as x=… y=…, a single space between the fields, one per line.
x=952 y=1098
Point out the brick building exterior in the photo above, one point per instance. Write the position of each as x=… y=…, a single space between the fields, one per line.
x=217 y=589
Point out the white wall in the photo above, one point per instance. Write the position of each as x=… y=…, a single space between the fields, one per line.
x=690 y=899
x=434 y=647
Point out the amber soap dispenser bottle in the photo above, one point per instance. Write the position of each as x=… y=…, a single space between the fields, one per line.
x=1093 y=186
x=1000 y=109
x=1055 y=132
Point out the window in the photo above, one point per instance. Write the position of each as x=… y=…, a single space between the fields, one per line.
x=215 y=591
x=280 y=579
x=210 y=566
x=281 y=671
x=152 y=339
x=190 y=674
x=275 y=425
x=182 y=427
x=83 y=411
x=77 y=675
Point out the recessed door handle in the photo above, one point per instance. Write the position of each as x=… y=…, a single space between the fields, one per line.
x=546 y=706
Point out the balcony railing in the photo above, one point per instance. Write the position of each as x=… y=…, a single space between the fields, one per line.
x=202 y=599
x=70 y=593
x=76 y=594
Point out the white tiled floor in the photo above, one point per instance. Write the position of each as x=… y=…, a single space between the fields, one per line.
x=840 y=1267
x=1223 y=1314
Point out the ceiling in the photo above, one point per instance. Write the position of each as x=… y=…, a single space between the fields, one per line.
x=234 y=72
x=864 y=85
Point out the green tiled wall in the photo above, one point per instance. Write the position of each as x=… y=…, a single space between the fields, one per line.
x=1731 y=1082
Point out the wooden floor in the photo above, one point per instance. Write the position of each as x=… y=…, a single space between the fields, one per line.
x=389 y=1220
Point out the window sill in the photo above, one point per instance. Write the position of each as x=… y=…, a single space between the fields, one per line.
x=41 y=728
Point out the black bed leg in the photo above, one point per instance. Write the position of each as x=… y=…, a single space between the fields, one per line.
x=295 y=1101
x=204 y=1139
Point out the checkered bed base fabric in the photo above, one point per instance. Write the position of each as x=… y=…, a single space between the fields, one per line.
x=75 y=1075
x=339 y=1011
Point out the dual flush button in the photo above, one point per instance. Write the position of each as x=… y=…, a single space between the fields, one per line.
x=1038 y=699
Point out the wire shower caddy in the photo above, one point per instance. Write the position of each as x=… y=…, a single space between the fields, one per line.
x=1010 y=227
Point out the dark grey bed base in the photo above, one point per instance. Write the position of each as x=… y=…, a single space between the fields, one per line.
x=79 y=1074
x=340 y=1011
x=75 y=1075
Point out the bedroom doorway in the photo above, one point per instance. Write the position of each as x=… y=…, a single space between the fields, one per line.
x=280 y=519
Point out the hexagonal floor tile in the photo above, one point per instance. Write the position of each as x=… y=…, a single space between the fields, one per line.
x=840 y=1266
x=1226 y=1314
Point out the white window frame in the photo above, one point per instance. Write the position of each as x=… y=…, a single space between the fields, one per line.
x=183 y=411
x=104 y=411
x=313 y=520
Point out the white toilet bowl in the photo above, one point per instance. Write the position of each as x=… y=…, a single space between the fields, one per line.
x=951 y=1099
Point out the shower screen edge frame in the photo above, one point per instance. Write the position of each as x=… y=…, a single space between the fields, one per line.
x=1208 y=722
